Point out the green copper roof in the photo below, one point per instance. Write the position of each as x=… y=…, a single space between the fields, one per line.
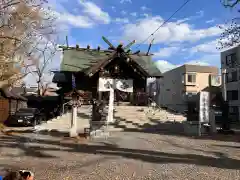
x=82 y=59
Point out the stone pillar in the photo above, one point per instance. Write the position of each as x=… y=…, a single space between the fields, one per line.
x=212 y=120
x=110 y=106
x=73 y=130
x=131 y=97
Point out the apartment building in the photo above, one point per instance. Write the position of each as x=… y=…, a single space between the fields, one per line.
x=230 y=61
x=180 y=87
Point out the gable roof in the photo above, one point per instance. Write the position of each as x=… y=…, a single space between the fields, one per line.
x=102 y=63
x=75 y=60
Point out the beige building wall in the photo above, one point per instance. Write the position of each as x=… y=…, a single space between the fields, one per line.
x=202 y=81
x=175 y=88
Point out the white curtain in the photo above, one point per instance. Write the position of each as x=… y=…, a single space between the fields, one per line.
x=124 y=85
x=105 y=84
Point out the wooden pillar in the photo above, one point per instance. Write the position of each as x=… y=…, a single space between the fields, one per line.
x=132 y=97
x=99 y=95
x=145 y=85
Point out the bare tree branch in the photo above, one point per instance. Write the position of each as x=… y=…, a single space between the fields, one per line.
x=24 y=26
x=230 y=3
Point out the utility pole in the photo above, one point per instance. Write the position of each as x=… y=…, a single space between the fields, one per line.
x=226 y=123
x=224 y=89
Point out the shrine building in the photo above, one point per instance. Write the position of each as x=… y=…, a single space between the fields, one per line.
x=89 y=65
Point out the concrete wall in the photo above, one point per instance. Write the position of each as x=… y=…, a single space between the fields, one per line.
x=171 y=88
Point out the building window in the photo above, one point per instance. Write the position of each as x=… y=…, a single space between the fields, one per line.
x=232 y=95
x=232 y=76
x=231 y=60
x=215 y=80
x=191 y=78
x=233 y=110
x=233 y=113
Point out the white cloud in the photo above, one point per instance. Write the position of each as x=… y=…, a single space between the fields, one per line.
x=208 y=47
x=210 y=21
x=144 y=8
x=166 y=52
x=122 y=20
x=200 y=13
x=93 y=15
x=113 y=8
x=170 y=32
x=77 y=21
x=125 y=1
x=206 y=60
x=183 y=20
x=145 y=15
x=123 y=12
x=133 y=14
x=95 y=12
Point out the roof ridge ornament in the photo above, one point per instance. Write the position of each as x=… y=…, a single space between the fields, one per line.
x=120 y=48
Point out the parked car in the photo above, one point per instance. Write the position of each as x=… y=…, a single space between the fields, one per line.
x=26 y=117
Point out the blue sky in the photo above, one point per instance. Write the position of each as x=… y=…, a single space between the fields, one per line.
x=189 y=37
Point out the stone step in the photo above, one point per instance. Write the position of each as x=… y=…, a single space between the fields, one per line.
x=175 y=117
x=130 y=117
x=112 y=128
x=136 y=112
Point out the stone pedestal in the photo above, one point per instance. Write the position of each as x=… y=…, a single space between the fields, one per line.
x=194 y=128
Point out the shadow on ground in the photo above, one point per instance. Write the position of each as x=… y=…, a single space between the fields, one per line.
x=40 y=150
x=171 y=128
x=155 y=127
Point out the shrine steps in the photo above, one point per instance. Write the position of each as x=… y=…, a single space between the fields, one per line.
x=135 y=118
x=139 y=118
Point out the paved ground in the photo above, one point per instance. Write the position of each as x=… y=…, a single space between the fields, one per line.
x=124 y=156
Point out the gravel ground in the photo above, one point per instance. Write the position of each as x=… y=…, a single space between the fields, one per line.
x=123 y=156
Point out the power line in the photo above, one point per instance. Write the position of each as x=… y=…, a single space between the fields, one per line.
x=184 y=4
